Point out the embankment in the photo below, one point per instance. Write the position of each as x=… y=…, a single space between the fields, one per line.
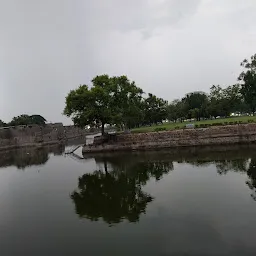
x=221 y=135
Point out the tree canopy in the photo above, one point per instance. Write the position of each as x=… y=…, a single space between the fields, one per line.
x=27 y=120
x=110 y=100
x=119 y=101
x=248 y=79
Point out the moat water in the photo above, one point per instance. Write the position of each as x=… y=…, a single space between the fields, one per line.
x=187 y=202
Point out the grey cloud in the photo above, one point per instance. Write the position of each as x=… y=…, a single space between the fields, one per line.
x=143 y=15
x=50 y=47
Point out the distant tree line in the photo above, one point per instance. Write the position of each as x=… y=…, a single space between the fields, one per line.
x=118 y=101
x=24 y=120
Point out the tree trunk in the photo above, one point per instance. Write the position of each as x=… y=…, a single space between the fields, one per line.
x=105 y=166
x=102 y=129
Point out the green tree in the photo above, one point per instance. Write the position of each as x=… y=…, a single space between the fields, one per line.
x=89 y=106
x=172 y=111
x=37 y=119
x=195 y=104
x=219 y=105
x=2 y=123
x=110 y=100
x=248 y=82
x=126 y=102
x=233 y=97
x=155 y=109
x=27 y=120
x=20 y=120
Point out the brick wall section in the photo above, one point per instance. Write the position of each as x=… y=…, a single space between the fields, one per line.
x=221 y=135
x=19 y=136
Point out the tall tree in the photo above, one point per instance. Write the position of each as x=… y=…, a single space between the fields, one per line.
x=172 y=111
x=195 y=104
x=2 y=123
x=155 y=109
x=248 y=82
x=90 y=106
x=110 y=100
x=233 y=97
x=127 y=102
x=219 y=101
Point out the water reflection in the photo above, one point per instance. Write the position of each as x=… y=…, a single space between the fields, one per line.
x=115 y=193
x=25 y=157
x=230 y=159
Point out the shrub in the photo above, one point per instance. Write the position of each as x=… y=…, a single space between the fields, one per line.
x=250 y=121
x=176 y=127
x=196 y=126
x=217 y=124
x=158 y=129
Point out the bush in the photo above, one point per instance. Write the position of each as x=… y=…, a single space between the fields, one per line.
x=196 y=126
x=250 y=121
x=176 y=127
x=159 y=129
x=217 y=124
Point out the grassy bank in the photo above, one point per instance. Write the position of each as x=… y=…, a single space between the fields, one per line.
x=220 y=121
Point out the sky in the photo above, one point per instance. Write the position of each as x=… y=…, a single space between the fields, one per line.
x=168 y=47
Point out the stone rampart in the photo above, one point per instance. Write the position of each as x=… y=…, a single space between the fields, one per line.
x=34 y=135
x=220 y=135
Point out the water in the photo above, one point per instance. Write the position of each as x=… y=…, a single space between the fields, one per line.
x=187 y=202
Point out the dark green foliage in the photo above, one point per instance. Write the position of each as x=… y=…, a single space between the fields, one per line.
x=248 y=79
x=114 y=100
x=2 y=124
x=27 y=120
x=155 y=109
x=195 y=105
x=217 y=124
x=159 y=129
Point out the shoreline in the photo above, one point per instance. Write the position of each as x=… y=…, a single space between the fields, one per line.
x=212 y=136
x=32 y=145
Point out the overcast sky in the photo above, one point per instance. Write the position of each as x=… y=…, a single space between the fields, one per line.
x=168 y=47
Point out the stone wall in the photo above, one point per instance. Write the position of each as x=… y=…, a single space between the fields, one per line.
x=222 y=135
x=20 y=136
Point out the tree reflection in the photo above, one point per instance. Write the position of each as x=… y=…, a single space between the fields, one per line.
x=252 y=178
x=22 y=158
x=117 y=194
x=227 y=163
x=236 y=165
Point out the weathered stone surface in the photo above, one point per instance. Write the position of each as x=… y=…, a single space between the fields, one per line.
x=232 y=134
x=21 y=136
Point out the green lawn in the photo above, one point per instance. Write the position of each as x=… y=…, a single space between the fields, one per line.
x=172 y=126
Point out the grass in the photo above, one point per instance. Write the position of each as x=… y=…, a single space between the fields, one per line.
x=172 y=126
